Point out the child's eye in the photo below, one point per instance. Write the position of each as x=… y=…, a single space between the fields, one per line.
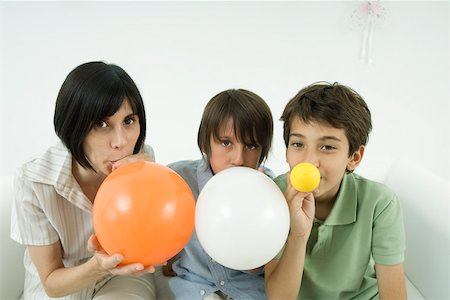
x=251 y=146
x=225 y=143
x=101 y=124
x=297 y=145
x=327 y=148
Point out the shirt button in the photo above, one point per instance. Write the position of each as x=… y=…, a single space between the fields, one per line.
x=222 y=282
x=202 y=292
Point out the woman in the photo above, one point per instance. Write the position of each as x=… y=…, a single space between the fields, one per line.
x=100 y=121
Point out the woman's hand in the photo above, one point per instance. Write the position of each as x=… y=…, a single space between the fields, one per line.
x=111 y=264
x=301 y=208
x=141 y=156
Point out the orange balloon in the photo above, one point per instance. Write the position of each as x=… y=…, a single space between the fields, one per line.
x=144 y=211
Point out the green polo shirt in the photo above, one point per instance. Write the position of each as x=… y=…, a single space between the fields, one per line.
x=364 y=227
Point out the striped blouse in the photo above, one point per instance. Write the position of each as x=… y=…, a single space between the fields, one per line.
x=49 y=206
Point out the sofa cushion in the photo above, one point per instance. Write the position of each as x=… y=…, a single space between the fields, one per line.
x=425 y=202
x=11 y=254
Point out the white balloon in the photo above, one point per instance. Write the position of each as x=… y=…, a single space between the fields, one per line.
x=241 y=218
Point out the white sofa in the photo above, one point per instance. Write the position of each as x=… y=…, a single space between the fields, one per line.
x=11 y=254
x=425 y=200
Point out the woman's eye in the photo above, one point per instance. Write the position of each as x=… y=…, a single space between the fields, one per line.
x=129 y=121
x=101 y=124
x=251 y=147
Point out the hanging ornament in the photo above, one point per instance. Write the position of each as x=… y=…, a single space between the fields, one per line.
x=367 y=15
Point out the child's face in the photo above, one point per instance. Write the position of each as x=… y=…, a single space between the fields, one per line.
x=229 y=152
x=327 y=148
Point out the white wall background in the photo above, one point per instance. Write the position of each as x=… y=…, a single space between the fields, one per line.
x=181 y=54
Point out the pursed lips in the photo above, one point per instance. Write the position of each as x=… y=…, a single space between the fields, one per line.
x=109 y=163
x=115 y=159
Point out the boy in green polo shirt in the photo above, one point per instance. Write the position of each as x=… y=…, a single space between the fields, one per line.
x=346 y=239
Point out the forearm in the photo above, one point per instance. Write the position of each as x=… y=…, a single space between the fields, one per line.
x=391 y=281
x=65 y=281
x=285 y=280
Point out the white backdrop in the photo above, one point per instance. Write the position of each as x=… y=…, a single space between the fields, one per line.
x=181 y=54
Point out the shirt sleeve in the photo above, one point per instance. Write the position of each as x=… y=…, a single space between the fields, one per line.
x=268 y=172
x=149 y=150
x=29 y=223
x=282 y=184
x=388 y=243
x=281 y=181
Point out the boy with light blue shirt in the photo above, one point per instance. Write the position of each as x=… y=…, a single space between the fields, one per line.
x=236 y=130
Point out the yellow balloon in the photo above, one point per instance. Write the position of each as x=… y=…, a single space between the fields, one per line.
x=305 y=177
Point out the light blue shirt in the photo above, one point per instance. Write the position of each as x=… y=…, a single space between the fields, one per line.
x=198 y=274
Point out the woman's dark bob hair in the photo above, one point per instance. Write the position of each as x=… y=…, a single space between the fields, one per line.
x=92 y=92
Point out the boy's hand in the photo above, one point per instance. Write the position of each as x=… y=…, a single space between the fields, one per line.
x=301 y=208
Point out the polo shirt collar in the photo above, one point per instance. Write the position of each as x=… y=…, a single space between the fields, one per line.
x=345 y=206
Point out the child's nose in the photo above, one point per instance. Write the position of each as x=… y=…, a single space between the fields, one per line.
x=312 y=158
x=238 y=157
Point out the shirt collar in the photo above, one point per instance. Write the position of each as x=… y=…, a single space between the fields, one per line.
x=345 y=206
x=54 y=168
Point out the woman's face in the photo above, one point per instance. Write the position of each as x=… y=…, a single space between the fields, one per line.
x=112 y=139
x=228 y=151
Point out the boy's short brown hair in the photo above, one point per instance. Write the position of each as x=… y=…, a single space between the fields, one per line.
x=252 y=120
x=334 y=104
